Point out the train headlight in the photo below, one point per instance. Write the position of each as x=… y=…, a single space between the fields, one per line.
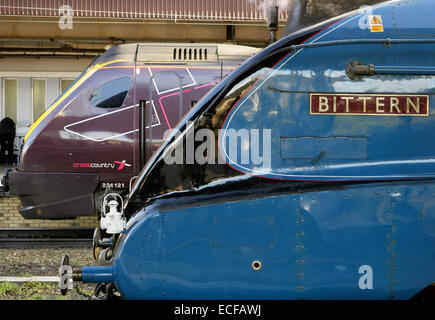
x=113 y=221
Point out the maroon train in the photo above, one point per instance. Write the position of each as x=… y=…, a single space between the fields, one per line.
x=88 y=140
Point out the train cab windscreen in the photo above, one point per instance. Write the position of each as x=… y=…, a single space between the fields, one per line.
x=193 y=160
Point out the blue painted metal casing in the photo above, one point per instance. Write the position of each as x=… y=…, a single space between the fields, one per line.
x=355 y=146
x=306 y=229
x=97 y=274
x=311 y=246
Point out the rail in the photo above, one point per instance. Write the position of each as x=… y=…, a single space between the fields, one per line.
x=39 y=237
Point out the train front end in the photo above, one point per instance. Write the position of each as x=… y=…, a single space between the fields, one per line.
x=46 y=180
x=308 y=173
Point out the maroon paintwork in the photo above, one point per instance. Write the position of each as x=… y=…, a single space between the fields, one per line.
x=78 y=150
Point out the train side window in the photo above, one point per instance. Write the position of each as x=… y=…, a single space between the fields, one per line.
x=110 y=94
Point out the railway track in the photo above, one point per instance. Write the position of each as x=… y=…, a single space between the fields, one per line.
x=43 y=238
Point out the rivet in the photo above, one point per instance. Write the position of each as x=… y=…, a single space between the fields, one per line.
x=256 y=265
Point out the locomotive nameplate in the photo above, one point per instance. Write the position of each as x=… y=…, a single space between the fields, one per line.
x=369 y=104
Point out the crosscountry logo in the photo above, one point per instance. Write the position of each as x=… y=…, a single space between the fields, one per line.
x=122 y=164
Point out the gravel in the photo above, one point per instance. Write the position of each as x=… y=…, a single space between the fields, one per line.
x=42 y=262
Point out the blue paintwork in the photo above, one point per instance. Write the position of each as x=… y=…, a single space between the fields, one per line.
x=311 y=246
x=322 y=69
x=405 y=70
x=311 y=242
x=97 y=274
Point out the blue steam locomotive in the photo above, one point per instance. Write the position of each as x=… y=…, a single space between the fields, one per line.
x=308 y=173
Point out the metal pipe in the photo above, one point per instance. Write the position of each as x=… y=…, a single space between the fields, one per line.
x=355 y=70
x=96 y=274
x=142 y=139
x=181 y=97
x=386 y=42
x=77 y=274
x=405 y=70
x=150 y=117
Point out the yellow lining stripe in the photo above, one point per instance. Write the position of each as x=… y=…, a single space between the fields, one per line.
x=66 y=94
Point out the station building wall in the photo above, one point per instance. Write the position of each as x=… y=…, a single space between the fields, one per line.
x=34 y=84
x=28 y=86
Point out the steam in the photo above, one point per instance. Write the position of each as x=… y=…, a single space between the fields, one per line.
x=293 y=7
x=293 y=22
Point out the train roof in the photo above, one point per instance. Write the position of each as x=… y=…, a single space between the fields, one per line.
x=177 y=52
